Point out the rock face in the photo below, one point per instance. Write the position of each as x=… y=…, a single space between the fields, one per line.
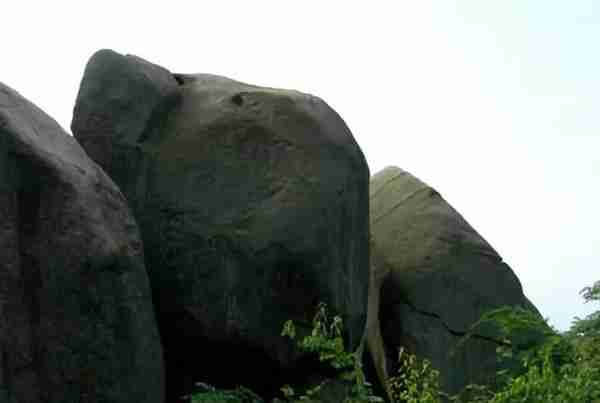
x=253 y=207
x=76 y=316
x=437 y=277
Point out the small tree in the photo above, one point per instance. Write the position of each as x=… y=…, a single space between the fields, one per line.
x=416 y=382
x=326 y=340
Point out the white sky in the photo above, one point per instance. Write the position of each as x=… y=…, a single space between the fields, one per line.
x=493 y=103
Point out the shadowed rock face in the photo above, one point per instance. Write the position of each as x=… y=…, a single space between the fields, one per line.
x=437 y=276
x=76 y=317
x=252 y=203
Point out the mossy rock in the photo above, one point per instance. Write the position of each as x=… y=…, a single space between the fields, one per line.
x=439 y=277
x=252 y=203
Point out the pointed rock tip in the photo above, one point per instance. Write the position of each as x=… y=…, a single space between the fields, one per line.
x=393 y=170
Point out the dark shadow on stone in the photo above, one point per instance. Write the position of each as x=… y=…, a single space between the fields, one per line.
x=237 y=99
x=190 y=358
x=158 y=117
x=391 y=333
x=29 y=198
x=371 y=376
x=180 y=78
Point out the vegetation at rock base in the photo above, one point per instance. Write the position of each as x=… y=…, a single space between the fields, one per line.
x=538 y=364
x=210 y=394
x=326 y=341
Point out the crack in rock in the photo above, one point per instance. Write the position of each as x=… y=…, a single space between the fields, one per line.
x=454 y=332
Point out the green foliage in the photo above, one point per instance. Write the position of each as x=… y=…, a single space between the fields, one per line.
x=326 y=340
x=552 y=368
x=538 y=364
x=589 y=326
x=524 y=340
x=543 y=384
x=473 y=394
x=416 y=382
x=213 y=395
x=591 y=293
x=586 y=332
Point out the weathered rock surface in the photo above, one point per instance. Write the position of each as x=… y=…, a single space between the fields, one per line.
x=438 y=275
x=253 y=207
x=76 y=316
x=372 y=348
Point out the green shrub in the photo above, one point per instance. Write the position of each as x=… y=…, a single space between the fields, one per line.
x=544 y=384
x=523 y=338
x=417 y=381
x=326 y=340
x=212 y=395
x=539 y=365
x=550 y=369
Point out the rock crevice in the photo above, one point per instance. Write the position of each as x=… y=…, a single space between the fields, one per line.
x=454 y=332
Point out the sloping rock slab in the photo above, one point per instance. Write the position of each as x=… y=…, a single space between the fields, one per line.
x=252 y=201
x=440 y=277
x=76 y=316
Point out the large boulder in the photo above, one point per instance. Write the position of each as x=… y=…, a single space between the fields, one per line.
x=253 y=207
x=437 y=277
x=76 y=316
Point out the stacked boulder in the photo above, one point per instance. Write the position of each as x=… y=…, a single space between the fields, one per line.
x=253 y=208
x=436 y=276
x=254 y=205
x=76 y=316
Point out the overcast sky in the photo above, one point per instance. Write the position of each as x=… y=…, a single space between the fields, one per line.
x=493 y=103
